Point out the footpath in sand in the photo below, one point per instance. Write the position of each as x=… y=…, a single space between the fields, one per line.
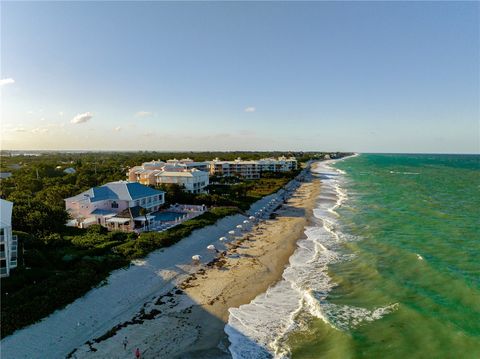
x=188 y=321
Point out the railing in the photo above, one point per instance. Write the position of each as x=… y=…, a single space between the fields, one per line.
x=3 y=271
x=2 y=255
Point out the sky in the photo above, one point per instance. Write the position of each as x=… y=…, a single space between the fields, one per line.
x=311 y=76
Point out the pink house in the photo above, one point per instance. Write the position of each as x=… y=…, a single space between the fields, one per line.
x=117 y=205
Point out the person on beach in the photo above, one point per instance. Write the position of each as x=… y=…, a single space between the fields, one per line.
x=125 y=343
x=137 y=353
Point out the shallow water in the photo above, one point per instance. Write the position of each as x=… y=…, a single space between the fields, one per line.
x=390 y=268
x=416 y=223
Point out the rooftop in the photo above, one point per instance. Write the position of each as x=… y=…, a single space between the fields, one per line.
x=120 y=190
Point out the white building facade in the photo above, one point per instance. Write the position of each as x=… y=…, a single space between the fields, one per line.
x=252 y=169
x=193 y=181
x=183 y=173
x=8 y=242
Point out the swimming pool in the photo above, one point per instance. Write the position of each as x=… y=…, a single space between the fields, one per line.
x=167 y=216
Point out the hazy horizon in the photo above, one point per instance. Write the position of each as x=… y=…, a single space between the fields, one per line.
x=366 y=77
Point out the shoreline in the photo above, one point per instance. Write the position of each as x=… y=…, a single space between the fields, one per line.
x=189 y=321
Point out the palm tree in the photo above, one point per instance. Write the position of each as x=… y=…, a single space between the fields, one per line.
x=144 y=212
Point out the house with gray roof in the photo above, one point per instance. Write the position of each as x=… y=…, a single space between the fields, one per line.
x=102 y=205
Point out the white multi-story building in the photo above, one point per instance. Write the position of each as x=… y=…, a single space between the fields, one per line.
x=193 y=181
x=190 y=164
x=184 y=174
x=251 y=169
x=8 y=242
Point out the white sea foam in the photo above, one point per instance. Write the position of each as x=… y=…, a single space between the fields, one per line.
x=405 y=173
x=259 y=329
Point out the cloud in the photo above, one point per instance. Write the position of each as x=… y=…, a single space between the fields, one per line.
x=143 y=114
x=8 y=81
x=250 y=109
x=82 y=118
x=148 y=134
x=40 y=130
x=117 y=129
x=19 y=129
x=61 y=113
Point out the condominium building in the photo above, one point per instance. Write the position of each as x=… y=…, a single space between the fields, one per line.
x=8 y=242
x=193 y=180
x=190 y=164
x=182 y=173
x=117 y=205
x=251 y=169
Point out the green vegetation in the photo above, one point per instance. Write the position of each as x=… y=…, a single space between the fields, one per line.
x=60 y=268
x=233 y=193
x=58 y=264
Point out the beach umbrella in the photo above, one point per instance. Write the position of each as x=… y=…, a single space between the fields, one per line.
x=239 y=226
x=246 y=222
x=196 y=258
x=221 y=239
x=251 y=218
x=231 y=232
x=211 y=247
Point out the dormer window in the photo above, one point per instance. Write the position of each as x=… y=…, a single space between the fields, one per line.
x=114 y=204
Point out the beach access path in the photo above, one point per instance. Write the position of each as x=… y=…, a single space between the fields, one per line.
x=122 y=297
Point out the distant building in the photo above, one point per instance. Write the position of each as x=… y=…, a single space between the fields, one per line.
x=4 y=175
x=8 y=242
x=69 y=170
x=190 y=164
x=184 y=173
x=116 y=205
x=251 y=169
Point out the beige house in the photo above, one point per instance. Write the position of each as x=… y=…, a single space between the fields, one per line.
x=190 y=178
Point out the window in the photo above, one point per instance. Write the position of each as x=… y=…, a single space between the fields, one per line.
x=114 y=204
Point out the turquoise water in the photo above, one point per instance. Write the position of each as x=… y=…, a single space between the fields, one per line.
x=413 y=229
x=167 y=216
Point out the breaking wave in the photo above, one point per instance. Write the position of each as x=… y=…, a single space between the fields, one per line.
x=260 y=329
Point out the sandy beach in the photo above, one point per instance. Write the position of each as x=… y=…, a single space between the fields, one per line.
x=188 y=321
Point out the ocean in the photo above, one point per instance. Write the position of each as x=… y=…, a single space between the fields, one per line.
x=389 y=268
